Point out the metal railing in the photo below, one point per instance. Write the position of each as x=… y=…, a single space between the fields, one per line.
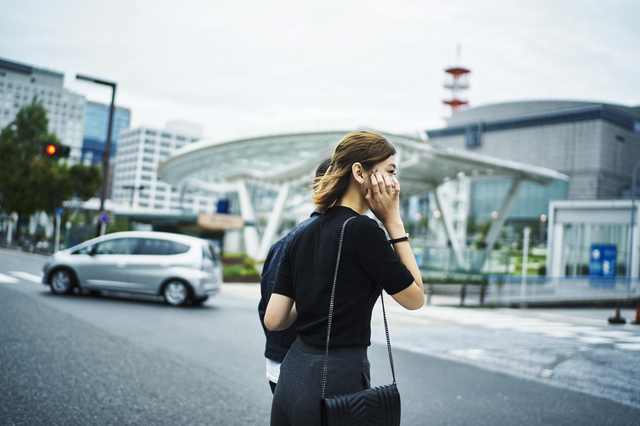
x=511 y=289
x=443 y=259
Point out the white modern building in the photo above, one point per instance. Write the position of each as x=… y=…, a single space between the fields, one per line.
x=20 y=83
x=267 y=178
x=576 y=225
x=135 y=180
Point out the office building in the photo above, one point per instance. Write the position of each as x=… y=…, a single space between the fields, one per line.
x=20 y=83
x=135 y=180
x=595 y=144
x=96 y=128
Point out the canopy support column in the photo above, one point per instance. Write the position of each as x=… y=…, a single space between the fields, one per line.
x=249 y=217
x=445 y=216
x=274 y=222
x=496 y=225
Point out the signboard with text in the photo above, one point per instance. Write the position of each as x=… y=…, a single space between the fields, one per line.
x=602 y=262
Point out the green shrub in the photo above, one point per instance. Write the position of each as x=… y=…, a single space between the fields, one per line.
x=239 y=265
x=239 y=271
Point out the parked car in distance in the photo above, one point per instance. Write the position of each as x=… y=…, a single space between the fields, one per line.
x=177 y=267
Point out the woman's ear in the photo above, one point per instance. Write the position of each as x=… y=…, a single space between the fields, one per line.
x=357 y=172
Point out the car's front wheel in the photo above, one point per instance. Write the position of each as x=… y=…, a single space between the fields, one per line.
x=62 y=281
x=197 y=301
x=175 y=293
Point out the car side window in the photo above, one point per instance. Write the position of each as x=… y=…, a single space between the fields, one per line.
x=116 y=246
x=179 y=248
x=213 y=251
x=153 y=246
x=206 y=252
x=83 y=250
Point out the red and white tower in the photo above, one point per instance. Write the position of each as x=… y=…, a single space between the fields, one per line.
x=456 y=82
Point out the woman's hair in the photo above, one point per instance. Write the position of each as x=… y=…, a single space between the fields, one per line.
x=364 y=147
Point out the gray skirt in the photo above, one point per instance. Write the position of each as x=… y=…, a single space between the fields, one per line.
x=297 y=397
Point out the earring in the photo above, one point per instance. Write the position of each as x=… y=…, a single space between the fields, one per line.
x=362 y=183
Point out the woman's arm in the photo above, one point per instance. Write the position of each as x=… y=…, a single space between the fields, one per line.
x=385 y=204
x=281 y=313
x=411 y=297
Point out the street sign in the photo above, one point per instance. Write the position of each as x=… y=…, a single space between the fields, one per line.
x=59 y=211
x=602 y=263
x=104 y=218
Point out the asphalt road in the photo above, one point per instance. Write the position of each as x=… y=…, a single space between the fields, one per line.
x=115 y=360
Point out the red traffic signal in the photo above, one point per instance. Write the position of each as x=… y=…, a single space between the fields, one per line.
x=55 y=150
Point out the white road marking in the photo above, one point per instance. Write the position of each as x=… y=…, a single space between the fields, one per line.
x=27 y=276
x=628 y=346
x=555 y=326
x=610 y=333
x=468 y=353
x=634 y=339
x=7 y=279
x=595 y=340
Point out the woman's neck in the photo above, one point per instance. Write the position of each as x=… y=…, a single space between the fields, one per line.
x=354 y=199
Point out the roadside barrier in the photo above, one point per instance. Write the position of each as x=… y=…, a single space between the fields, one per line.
x=514 y=290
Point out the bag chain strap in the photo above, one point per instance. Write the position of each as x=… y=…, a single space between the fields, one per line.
x=331 y=304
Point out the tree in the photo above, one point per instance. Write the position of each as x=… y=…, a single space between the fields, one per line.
x=85 y=181
x=29 y=182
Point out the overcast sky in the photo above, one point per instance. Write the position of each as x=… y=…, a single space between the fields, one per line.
x=244 y=65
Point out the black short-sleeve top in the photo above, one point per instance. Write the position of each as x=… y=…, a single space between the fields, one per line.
x=308 y=266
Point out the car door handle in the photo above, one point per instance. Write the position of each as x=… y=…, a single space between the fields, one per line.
x=121 y=264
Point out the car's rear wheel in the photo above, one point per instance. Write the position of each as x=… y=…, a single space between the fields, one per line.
x=62 y=281
x=176 y=293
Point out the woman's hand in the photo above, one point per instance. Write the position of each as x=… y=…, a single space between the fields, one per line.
x=384 y=198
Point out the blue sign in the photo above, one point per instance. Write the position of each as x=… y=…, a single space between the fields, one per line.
x=223 y=206
x=59 y=211
x=104 y=218
x=603 y=260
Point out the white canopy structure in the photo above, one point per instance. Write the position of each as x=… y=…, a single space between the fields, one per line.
x=288 y=161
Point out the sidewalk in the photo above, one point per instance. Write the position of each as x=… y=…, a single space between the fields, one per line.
x=593 y=315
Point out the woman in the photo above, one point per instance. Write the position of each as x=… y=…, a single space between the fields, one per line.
x=361 y=177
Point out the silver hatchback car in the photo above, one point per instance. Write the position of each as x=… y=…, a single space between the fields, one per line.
x=179 y=268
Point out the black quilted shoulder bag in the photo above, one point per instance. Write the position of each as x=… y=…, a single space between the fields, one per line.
x=369 y=407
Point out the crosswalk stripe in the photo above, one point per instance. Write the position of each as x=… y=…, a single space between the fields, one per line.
x=7 y=279
x=26 y=276
x=628 y=346
x=595 y=332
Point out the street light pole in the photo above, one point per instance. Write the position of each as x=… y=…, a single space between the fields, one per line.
x=107 y=149
x=133 y=188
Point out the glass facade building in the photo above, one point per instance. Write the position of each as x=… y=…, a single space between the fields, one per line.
x=531 y=202
x=579 y=227
x=578 y=240
x=96 y=127
x=21 y=84
x=595 y=145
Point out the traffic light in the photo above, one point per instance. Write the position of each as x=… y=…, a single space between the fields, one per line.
x=54 y=150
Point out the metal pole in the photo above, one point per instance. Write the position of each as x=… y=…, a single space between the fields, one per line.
x=56 y=245
x=633 y=215
x=106 y=155
x=525 y=255
x=107 y=149
x=133 y=189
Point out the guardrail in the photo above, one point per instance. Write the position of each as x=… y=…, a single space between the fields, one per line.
x=511 y=289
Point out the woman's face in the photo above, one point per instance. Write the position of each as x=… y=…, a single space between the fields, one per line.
x=387 y=168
